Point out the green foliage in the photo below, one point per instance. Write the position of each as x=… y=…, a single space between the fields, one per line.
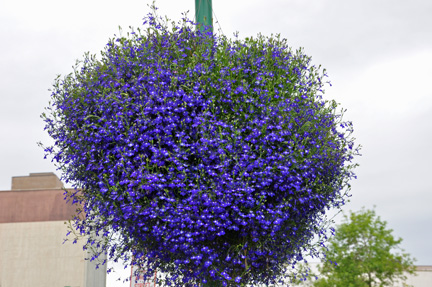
x=364 y=253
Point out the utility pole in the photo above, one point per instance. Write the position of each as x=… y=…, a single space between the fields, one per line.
x=204 y=14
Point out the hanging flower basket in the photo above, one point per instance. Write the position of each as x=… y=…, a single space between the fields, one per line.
x=209 y=159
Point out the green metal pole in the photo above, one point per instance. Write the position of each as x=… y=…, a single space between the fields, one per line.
x=203 y=14
x=204 y=18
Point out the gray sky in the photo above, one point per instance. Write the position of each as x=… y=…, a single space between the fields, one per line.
x=378 y=54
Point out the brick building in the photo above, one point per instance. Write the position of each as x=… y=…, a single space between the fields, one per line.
x=33 y=227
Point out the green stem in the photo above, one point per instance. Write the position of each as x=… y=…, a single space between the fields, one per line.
x=212 y=284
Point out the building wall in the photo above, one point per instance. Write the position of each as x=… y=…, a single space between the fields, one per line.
x=33 y=251
x=34 y=206
x=421 y=278
x=34 y=181
x=33 y=254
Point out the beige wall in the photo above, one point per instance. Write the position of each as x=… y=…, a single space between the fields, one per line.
x=42 y=180
x=422 y=277
x=33 y=254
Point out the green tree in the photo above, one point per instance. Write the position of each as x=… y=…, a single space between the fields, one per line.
x=363 y=253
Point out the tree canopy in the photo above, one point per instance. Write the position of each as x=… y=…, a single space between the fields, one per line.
x=209 y=159
x=364 y=253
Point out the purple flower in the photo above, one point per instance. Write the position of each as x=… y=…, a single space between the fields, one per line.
x=204 y=156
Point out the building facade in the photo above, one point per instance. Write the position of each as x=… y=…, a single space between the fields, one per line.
x=422 y=277
x=33 y=250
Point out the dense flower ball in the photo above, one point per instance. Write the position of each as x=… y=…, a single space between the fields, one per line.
x=209 y=159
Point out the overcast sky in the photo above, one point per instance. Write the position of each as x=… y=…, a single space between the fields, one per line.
x=378 y=54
